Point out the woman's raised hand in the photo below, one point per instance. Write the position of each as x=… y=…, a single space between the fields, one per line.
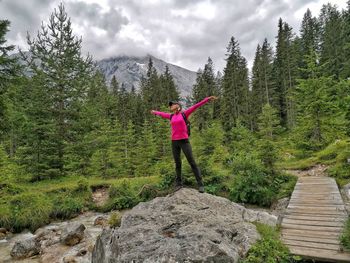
x=211 y=98
x=152 y=111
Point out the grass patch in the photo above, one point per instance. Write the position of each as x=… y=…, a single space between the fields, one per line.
x=345 y=236
x=297 y=164
x=269 y=248
x=32 y=205
x=25 y=211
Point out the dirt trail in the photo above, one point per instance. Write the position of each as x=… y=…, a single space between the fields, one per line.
x=317 y=170
x=100 y=196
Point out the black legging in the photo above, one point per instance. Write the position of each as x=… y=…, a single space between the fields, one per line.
x=185 y=145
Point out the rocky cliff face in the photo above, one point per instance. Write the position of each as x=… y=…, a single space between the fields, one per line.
x=129 y=70
x=186 y=226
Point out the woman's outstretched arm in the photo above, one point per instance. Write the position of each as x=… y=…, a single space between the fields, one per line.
x=161 y=114
x=191 y=109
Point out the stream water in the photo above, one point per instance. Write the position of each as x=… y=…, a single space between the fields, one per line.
x=56 y=252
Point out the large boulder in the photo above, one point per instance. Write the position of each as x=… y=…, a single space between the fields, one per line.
x=186 y=226
x=26 y=248
x=72 y=234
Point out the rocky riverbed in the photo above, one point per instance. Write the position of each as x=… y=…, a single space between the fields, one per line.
x=184 y=226
x=69 y=241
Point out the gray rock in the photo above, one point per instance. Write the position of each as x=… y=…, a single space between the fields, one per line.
x=3 y=230
x=101 y=220
x=186 y=226
x=260 y=216
x=26 y=248
x=279 y=208
x=346 y=191
x=69 y=259
x=72 y=234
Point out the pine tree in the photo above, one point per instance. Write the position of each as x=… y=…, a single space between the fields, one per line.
x=332 y=42
x=61 y=74
x=145 y=151
x=309 y=34
x=9 y=71
x=268 y=127
x=262 y=86
x=114 y=87
x=316 y=108
x=285 y=70
x=168 y=90
x=205 y=86
x=268 y=122
x=101 y=159
x=150 y=88
x=217 y=92
x=235 y=88
x=345 y=68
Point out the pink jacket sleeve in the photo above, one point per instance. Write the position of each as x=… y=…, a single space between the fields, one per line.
x=191 y=109
x=162 y=114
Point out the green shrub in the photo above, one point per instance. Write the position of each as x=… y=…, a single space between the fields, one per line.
x=82 y=185
x=148 y=192
x=167 y=177
x=251 y=183
x=8 y=189
x=269 y=248
x=115 y=219
x=345 y=237
x=340 y=168
x=284 y=184
x=121 y=196
x=65 y=207
x=27 y=210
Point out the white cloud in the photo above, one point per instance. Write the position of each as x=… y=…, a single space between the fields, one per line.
x=183 y=32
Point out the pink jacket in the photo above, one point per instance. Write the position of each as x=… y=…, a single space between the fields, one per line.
x=178 y=125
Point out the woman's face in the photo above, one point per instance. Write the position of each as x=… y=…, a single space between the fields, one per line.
x=174 y=107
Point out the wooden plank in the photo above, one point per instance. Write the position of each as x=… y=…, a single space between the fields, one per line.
x=329 y=207
x=344 y=216
x=317 y=185
x=312 y=222
x=314 y=185
x=308 y=210
x=315 y=204
x=316 y=228
x=316 y=218
x=316 y=194
x=320 y=254
x=305 y=211
x=311 y=233
x=314 y=201
x=313 y=178
x=330 y=194
x=311 y=239
x=308 y=244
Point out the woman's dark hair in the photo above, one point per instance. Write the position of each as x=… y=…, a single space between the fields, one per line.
x=175 y=102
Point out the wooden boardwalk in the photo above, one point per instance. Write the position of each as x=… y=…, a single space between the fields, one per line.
x=314 y=220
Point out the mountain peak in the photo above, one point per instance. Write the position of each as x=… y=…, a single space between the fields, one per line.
x=130 y=69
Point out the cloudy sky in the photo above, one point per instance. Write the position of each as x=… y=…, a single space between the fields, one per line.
x=182 y=32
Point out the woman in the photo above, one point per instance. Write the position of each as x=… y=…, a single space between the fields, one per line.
x=179 y=138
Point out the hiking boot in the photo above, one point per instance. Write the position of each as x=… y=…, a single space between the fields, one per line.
x=178 y=187
x=201 y=189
